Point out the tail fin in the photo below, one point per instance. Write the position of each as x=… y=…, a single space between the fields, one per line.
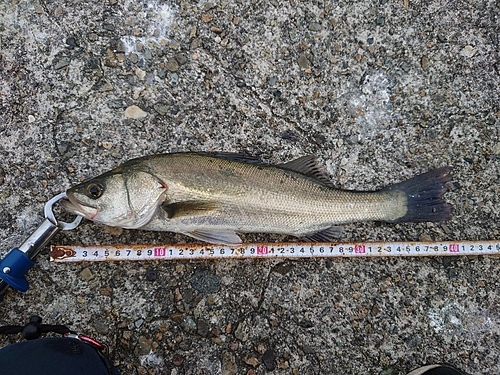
x=425 y=196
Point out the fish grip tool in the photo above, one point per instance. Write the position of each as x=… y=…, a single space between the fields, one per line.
x=19 y=260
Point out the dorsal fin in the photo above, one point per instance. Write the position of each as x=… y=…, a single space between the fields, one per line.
x=308 y=166
x=234 y=156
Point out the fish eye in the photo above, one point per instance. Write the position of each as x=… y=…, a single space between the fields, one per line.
x=94 y=190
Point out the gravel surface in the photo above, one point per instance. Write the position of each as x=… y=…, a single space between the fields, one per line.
x=379 y=91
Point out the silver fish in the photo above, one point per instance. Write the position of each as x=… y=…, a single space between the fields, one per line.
x=211 y=197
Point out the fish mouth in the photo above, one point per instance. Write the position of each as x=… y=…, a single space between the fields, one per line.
x=72 y=205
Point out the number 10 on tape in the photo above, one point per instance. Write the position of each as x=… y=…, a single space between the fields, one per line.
x=270 y=250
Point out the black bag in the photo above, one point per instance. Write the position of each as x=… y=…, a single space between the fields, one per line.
x=71 y=354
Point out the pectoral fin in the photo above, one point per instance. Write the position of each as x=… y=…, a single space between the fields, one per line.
x=216 y=237
x=189 y=208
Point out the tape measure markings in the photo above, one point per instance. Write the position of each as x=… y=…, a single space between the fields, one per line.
x=101 y=253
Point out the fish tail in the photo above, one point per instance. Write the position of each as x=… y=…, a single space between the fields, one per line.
x=424 y=195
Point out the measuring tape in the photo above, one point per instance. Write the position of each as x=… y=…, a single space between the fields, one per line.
x=102 y=253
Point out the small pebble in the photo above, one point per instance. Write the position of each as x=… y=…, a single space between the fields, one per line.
x=110 y=59
x=192 y=34
x=234 y=345
x=86 y=274
x=181 y=58
x=162 y=109
x=106 y=291
x=269 y=359
x=228 y=363
x=424 y=237
x=208 y=6
x=375 y=309
x=135 y=112
x=61 y=62
x=177 y=360
x=207 y=17
x=308 y=349
x=143 y=346
x=161 y=73
x=303 y=61
x=174 y=79
x=172 y=65
x=101 y=327
x=496 y=149
x=242 y=332
x=205 y=282
x=424 y=62
x=139 y=73
x=151 y=275
x=28 y=141
x=177 y=295
x=133 y=58
x=188 y=324
x=179 y=267
x=202 y=328
x=468 y=51
x=176 y=317
x=413 y=341
x=314 y=26
x=251 y=360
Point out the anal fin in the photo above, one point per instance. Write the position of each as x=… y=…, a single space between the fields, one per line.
x=326 y=235
x=216 y=237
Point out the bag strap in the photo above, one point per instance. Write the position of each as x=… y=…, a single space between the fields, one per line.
x=34 y=329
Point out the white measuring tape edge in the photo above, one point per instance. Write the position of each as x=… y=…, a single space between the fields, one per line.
x=102 y=253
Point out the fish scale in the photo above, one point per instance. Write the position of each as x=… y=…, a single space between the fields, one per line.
x=272 y=198
x=267 y=198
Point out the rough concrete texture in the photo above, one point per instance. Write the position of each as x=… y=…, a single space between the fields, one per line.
x=379 y=91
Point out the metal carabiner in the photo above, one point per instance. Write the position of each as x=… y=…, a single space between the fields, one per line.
x=18 y=261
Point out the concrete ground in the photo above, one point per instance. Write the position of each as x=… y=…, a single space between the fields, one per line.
x=378 y=91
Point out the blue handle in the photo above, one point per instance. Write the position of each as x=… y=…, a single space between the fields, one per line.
x=13 y=268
